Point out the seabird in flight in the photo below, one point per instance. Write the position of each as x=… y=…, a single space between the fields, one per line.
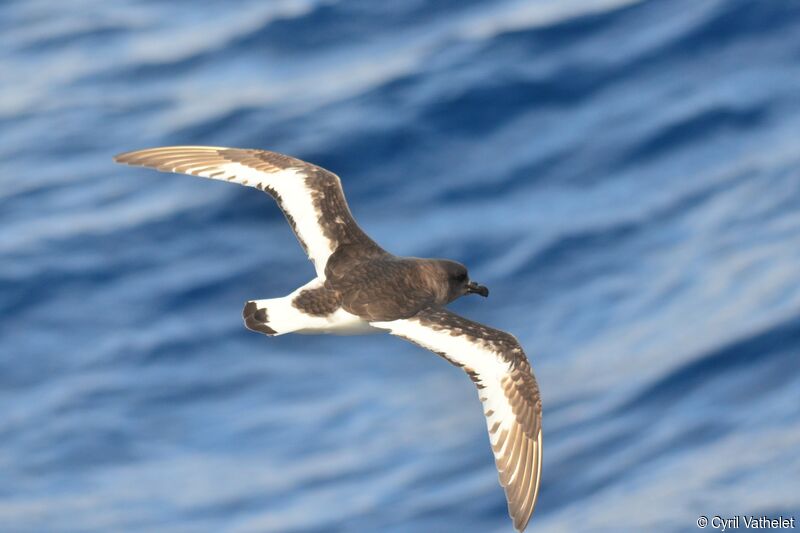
x=361 y=288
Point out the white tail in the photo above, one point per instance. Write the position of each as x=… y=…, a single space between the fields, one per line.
x=277 y=316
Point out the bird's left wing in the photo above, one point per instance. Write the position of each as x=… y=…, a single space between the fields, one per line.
x=310 y=197
x=507 y=389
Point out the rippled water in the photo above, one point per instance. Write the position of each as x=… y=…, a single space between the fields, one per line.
x=623 y=175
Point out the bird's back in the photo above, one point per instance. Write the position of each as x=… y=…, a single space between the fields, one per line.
x=369 y=288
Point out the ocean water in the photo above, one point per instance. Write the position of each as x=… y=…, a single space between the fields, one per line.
x=623 y=175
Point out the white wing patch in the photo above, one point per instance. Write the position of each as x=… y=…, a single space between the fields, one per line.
x=288 y=185
x=510 y=403
x=461 y=351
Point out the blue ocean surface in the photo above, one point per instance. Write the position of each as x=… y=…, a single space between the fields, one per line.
x=623 y=175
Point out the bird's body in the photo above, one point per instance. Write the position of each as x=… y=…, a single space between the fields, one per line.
x=355 y=292
x=361 y=288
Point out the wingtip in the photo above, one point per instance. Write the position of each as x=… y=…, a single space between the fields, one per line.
x=525 y=513
x=128 y=157
x=124 y=157
x=521 y=522
x=131 y=158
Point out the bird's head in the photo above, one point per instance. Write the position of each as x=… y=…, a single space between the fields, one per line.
x=458 y=280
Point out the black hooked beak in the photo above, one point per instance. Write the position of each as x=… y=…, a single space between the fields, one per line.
x=474 y=288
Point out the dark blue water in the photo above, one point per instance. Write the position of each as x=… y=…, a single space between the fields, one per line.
x=623 y=175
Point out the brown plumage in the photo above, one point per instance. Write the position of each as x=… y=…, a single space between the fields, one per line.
x=360 y=287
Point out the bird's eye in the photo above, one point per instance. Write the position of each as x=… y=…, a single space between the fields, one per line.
x=461 y=276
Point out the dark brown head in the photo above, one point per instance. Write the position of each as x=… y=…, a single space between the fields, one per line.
x=458 y=280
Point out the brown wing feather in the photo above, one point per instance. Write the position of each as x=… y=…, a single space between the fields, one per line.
x=301 y=189
x=495 y=361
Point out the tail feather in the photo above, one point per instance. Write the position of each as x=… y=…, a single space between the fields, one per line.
x=257 y=319
x=275 y=316
x=309 y=310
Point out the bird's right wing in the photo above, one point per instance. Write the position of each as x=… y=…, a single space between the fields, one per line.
x=310 y=197
x=509 y=393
